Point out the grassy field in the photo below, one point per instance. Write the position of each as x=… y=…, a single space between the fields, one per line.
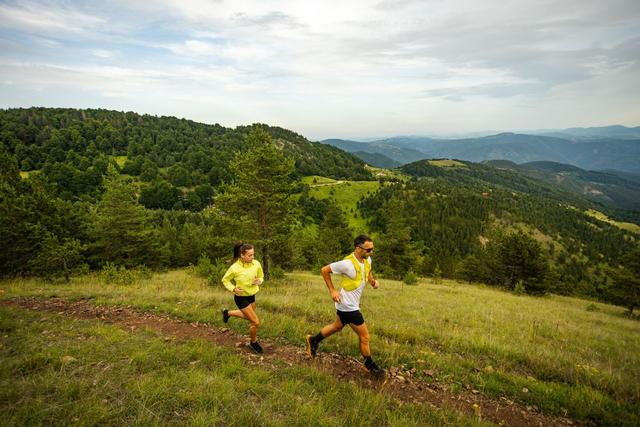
x=316 y=180
x=566 y=356
x=446 y=163
x=120 y=160
x=59 y=372
x=635 y=228
x=350 y=192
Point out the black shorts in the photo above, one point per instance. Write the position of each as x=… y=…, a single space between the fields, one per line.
x=244 y=302
x=353 y=317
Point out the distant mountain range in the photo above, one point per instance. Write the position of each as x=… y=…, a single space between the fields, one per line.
x=615 y=189
x=603 y=148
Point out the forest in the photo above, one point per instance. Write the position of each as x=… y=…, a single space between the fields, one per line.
x=85 y=190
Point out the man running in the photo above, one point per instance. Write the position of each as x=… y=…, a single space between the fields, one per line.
x=356 y=272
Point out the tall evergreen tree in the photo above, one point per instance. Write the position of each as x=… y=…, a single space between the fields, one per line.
x=394 y=250
x=521 y=259
x=626 y=288
x=260 y=195
x=122 y=228
x=335 y=237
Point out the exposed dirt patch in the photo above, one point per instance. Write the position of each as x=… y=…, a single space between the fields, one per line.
x=401 y=384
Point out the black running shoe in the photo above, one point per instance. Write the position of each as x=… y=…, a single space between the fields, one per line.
x=256 y=348
x=375 y=370
x=312 y=346
x=225 y=315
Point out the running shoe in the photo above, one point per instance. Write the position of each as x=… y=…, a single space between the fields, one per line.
x=256 y=348
x=375 y=370
x=225 y=315
x=312 y=346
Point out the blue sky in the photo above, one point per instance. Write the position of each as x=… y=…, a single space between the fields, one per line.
x=333 y=68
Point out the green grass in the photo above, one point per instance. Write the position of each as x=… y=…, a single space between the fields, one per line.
x=564 y=355
x=56 y=371
x=445 y=163
x=347 y=195
x=319 y=180
x=635 y=228
x=24 y=174
x=120 y=160
x=388 y=173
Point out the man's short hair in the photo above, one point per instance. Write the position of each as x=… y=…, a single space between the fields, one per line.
x=361 y=239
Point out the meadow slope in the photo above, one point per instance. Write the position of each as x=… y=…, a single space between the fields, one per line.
x=563 y=357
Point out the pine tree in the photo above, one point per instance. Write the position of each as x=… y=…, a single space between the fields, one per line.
x=626 y=288
x=521 y=259
x=260 y=195
x=335 y=237
x=122 y=228
x=394 y=251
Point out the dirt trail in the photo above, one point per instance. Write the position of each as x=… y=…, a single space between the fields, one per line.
x=400 y=383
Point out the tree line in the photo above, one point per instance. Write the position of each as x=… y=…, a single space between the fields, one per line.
x=78 y=207
x=487 y=232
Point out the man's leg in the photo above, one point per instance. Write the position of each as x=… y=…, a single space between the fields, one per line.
x=332 y=328
x=328 y=330
x=363 y=336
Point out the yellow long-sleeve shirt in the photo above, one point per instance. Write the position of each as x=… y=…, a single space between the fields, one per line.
x=241 y=275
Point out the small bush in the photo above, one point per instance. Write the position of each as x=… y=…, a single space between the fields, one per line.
x=410 y=278
x=519 y=289
x=217 y=272
x=119 y=275
x=437 y=275
x=205 y=267
x=143 y=272
x=209 y=270
x=592 y=307
x=276 y=272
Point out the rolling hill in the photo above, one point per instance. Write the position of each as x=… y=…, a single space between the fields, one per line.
x=592 y=153
x=609 y=188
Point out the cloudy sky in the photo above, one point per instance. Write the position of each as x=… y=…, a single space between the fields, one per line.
x=331 y=68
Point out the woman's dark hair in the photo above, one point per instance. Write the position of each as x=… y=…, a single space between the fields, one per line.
x=239 y=248
x=361 y=239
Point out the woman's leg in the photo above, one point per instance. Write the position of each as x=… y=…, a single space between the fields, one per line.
x=250 y=314
x=239 y=314
x=236 y=313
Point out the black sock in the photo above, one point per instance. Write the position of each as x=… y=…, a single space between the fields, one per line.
x=317 y=338
x=368 y=361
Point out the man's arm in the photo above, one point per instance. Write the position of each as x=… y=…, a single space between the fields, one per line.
x=326 y=275
x=372 y=281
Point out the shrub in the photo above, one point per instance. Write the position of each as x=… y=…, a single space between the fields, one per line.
x=410 y=278
x=119 y=275
x=276 y=272
x=519 y=288
x=592 y=307
x=213 y=272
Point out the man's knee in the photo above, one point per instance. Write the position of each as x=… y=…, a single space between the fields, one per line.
x=255 y=322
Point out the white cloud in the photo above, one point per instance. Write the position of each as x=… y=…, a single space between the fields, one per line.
x=102 y=53
x=38 y=17
x=348 y=65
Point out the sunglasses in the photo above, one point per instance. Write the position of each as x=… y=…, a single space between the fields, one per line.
x=369 y=250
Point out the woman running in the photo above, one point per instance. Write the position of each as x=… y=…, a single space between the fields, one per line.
x=244 y=278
